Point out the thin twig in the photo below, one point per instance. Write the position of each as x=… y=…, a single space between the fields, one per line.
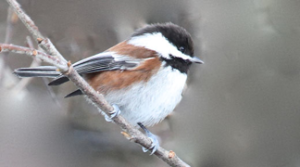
x=12 y=18
x=29 y=42
x=98 y=99
x=35 y=53
x=32 y=28
x=35 y=62
x=48 y=46
x=45 y=43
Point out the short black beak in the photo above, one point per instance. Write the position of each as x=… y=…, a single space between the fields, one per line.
x=196 y=60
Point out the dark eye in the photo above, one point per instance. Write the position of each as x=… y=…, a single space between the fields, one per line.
x=181 y=49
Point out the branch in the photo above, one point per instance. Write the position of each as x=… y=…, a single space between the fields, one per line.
x=35 y=53
x=11 y=19
x=43 y=42
x=52 y=56
x=35 y=62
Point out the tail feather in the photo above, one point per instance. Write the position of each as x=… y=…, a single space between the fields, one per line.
x=46 y=71
x=58 y=81
x=42 y=71
x=75 y=93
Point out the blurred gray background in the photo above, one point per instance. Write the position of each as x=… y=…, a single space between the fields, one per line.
x=240 y=109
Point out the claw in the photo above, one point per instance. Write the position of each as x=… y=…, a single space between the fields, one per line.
x=112 y=114
x=115 y=112
x=155 y=142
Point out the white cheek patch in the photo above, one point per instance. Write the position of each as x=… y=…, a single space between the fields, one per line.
x=159 y=43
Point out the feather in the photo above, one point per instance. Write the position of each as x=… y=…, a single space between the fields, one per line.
x=42 y=71
x=75 y=93
x=106 y=61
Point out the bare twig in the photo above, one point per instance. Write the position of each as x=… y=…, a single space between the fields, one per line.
x=35 y=53
x=98 y=99
x=35 y=62
x=29 y=42
x=12 y=18
x=45 y=43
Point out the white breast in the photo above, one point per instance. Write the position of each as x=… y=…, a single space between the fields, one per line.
x=150 y=102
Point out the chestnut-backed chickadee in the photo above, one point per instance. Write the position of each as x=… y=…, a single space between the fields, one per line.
x=144 y=75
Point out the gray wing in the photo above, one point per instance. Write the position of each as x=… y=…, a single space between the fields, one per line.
x=105 y=61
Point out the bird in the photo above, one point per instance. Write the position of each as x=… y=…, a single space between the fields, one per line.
x=143 y=76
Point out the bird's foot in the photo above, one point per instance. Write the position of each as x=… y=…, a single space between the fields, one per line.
x=113 y=113
x=155 y=140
